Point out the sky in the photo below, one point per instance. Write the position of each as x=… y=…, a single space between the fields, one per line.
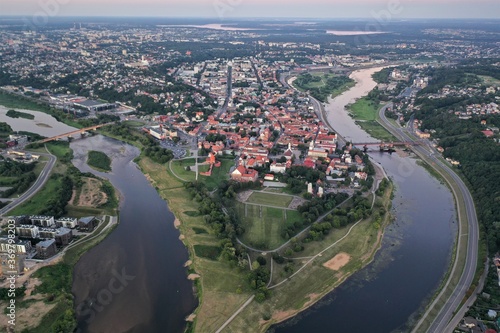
x=224 y=9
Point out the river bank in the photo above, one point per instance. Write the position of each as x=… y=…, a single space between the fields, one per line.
x=358 y=242
x=220 y=286
x=144 y=247
x=358 y=294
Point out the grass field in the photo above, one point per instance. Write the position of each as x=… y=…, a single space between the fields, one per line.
x=218 y=174
x=18 y=102
x=314 y=281
x=212 y=182
x=364 y=109
x=38 y=202
x=319 y=84
x=61 y=149
x=376 y=131
x=365 y=112
x=133 y=123
x=270 y=199
x=264 y=225
x=179 y=168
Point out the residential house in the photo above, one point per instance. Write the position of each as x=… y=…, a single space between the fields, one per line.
x=42 y=221
x=28 y=231
x=63 y=236
x=67 y=222
x=87 y=223
x=46 y=248
x=19 y=246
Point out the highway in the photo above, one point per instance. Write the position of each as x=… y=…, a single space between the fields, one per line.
x=41 y=180
x=442 y=322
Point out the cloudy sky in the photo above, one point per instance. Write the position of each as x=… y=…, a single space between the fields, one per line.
x=257 y=8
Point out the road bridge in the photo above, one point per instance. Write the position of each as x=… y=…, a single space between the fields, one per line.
x=78 y=131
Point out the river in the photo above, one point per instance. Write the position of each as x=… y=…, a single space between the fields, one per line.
x=134 y=280
x=390 y=293
x=43 y=123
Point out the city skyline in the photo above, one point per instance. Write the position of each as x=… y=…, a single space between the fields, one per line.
x=221 y=9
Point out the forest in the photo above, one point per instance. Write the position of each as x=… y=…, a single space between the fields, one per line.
x=462 y=140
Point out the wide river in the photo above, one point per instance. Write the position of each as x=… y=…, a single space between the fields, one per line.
x=390 y=293
x=134 y=280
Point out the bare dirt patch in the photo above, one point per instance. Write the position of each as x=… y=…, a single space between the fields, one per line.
x=296 y=202
x=279 y=316
x=191 y=317
x=177 y=223
x=72 y=200
x=337 y=262
x=312 y=299
x=193 y=276
x=91 y=194
x=32 y=316
x=243 y=196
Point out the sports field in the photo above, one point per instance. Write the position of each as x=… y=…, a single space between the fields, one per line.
x=264 y=226
x=270 y=199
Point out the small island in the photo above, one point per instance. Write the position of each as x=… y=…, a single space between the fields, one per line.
x=18 y=114
x=99 y=161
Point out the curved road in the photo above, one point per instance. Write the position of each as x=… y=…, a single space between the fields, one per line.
x=446 y=313
x=40 y=181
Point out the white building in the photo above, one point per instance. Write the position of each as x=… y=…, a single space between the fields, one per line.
x=67 y=222
x=278 y=167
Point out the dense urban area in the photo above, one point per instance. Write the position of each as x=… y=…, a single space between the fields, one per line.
x=232 y=125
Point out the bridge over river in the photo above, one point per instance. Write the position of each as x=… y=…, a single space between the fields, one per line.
x=78 y=131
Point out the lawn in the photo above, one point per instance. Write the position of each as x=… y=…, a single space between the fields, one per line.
x=364 y=109
x=61 y=149
x=376 y=130
x=179 y=169
x=316 y=84
x=133 y=123
x=218 y=174
x=264 y=225
x=270 y=199
x=365 y=112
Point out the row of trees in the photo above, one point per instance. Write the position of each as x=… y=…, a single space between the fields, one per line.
x=312 y=210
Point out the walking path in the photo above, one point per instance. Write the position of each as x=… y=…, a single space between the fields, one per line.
x=235 y=314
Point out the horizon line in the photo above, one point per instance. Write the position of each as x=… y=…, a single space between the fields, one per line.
x=252 y=17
